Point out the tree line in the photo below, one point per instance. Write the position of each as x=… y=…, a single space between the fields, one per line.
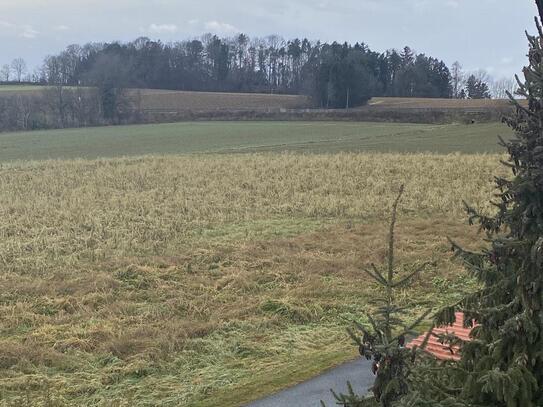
x=335 y=75
x=61 y=107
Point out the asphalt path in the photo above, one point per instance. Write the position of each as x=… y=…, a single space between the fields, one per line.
x=310 y=393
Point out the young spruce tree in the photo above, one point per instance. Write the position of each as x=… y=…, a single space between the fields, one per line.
x=503 y=365
x=384 y=343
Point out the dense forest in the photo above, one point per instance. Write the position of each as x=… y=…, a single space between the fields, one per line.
x=334 y=75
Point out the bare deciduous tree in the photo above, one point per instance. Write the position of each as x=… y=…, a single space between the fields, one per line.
x=52 y=70
x=457 y=79
x=55 y=98
x=19 y=68
x=5 y=73
x=501 y=87
x=482 y=76
x=24 y=111
x=38 y=76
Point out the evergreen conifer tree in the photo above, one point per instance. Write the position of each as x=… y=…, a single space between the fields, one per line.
x=384 y=343
x=503 y=365
x=477 y=88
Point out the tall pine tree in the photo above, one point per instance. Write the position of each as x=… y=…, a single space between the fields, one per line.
x=477 y=88
x=503 y=365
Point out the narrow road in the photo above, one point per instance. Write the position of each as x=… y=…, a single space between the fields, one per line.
x=310 y=393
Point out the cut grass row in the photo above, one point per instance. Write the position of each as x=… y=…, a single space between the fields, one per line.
x=186 y=280
x=213 y=137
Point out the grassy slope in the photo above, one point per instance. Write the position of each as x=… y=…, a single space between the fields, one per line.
x=201 y=137
x=186 y=280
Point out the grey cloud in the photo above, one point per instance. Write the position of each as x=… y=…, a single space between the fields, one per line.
x=163 y=28
x=61 y=27
x=9 y=29
x=478 y=33
x=221 y=28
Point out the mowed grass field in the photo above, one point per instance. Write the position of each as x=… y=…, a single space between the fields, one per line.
x=235 y=137
x=213 y=279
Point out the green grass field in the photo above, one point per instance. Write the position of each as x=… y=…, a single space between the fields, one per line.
x=190 y=274
x=236 y=137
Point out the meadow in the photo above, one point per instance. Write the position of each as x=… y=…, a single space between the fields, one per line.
x=237 y=137
x=210 y=279
x=158 y=265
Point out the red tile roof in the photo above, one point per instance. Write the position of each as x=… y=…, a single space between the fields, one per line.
x=445 y=351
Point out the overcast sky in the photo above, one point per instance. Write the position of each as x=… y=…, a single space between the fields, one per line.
x=481 y=34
